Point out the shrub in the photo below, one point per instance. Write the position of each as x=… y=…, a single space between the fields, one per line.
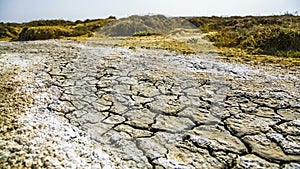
x=270 y=40
x=8 y=31
x=271 y=35
x=56 y=22
x=80 y=30
x=43 y=33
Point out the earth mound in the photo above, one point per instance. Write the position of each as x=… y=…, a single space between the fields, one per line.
x=135 y=25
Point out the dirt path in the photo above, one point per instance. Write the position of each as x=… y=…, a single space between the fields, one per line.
x=112 y=107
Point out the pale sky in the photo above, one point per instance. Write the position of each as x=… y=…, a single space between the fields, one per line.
x=28 y=10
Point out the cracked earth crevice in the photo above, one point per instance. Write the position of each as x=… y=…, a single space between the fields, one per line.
x=149 y=108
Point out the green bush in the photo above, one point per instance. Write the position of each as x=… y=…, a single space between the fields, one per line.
x=269 y=40
x=271 y=35
x=80 y=30
x=43 y=33
x=8 y=31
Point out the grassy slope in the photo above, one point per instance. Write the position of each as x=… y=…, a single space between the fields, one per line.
x=268 y=35
x=50 y=29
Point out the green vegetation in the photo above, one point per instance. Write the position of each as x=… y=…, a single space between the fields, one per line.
x=43 y=32
x=50 y=29
x=268 y=35
x=8 y=31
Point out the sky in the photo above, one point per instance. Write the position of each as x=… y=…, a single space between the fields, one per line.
x=28 y=10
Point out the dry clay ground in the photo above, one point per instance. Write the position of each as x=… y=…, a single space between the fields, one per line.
x=95 y=104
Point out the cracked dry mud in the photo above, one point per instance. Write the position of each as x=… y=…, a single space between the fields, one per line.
x=158 y=109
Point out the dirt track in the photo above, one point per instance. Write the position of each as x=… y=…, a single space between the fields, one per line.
x=97 y=105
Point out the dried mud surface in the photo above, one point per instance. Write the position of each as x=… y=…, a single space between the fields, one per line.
x=103 y=106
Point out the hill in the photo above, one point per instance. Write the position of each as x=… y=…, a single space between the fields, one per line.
x=50 y=29
x=144 y=25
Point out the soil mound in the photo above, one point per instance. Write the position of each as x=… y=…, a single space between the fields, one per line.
x=134 y=25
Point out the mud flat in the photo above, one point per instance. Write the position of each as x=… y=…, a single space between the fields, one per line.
x=101 y=106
